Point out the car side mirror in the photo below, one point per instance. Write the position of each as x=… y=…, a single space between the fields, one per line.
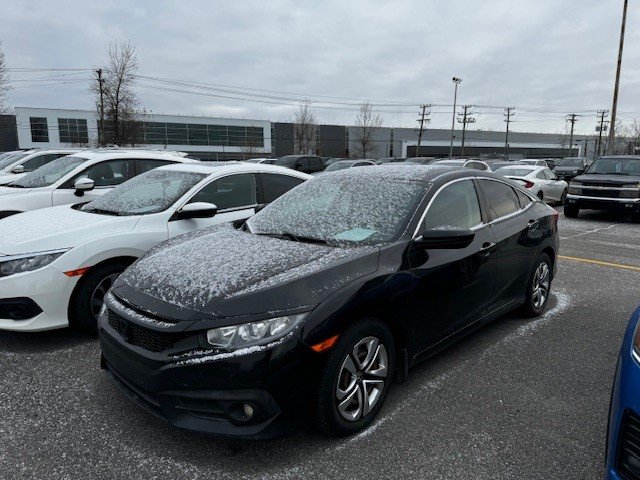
x=18 y=169
x=83 y=185
x=195 y=210
x=445 y=238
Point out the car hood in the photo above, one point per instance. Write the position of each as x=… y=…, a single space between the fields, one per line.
x=13 y=192
x=6 y=178
x=56 y=228
x=566 y=169
x=224 y=272
x=607 y=179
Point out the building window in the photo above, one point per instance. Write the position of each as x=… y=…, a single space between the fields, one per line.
x=159 y=133
x=39 y=129
x=73 y=130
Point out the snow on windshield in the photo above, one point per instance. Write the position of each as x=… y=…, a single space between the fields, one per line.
x=151 y=192
x=221 y=262
x=360 y=208
x=50 y=173
x=6 y=160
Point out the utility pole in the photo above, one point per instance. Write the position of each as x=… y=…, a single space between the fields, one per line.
x=600 y=128
x=456 y=81
x=466 y=118
x=507 y=118
x=424 y=118
x=573 y=118
x=101 y=124
x=614 y=106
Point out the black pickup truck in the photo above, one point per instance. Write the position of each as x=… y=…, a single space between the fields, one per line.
x=570 y=167
x=609 y=183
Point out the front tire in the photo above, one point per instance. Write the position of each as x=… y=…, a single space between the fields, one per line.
x=88 y=297
x=538 y=287
x=355 y=379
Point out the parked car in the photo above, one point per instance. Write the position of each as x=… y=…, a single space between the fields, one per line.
x=473 y=164
x=382 y=161
x=323 y=299
x=82 y=177
x=539 y=181
x=341 y=165
x=267 y=161
x=496 y=164
x=552 y=162
x=329 y=161
x=533 y=161
x=609 y=183
x=570 y=167
x=420 y=160
x=623 y=446
x=58 y=263
x=17 y=165
x=302 y=163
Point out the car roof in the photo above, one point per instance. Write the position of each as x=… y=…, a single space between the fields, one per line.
x=408 y=172
x=108 y=154
x=525 y=166
x=227 y=167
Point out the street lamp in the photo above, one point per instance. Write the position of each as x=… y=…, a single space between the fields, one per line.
x=456 y=82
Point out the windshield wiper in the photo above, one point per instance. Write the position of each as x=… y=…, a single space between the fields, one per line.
x=295 y=238
x=101 y=211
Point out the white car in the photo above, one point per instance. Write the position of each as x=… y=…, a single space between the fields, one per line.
x=56 y=264
x=79 y=178
x=473 y=164
x=534 y=162
x=15 y=165
x=540 y=181
x=268 y=161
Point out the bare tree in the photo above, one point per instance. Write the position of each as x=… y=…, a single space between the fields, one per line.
x=4 y=82
x=368 y=122
x=116 y=101
x=304 y=129
x=634 y=136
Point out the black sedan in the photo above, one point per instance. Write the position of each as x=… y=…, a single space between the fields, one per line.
x=314 y=306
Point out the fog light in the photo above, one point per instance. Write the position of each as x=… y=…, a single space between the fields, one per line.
x=248 y=410
x=241 y=412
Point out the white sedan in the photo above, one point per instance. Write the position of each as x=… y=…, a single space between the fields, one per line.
x=15 y=165
x=538 y=180
x=56 y=264
x=82 y=177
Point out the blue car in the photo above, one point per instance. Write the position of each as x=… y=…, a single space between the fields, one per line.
x=623 y=441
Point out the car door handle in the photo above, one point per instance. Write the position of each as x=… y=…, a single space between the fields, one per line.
x=531 y=223
x=486 y=246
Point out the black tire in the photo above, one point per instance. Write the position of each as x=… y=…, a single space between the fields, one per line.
x=532 y=306
x=329 y=419
x=571 y=211
x=540 y=195
x=81 y=307
x=563 y=197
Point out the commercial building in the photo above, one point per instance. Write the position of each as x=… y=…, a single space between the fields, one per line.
x=212 y=138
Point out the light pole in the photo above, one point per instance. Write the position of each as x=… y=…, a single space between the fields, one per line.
x=614 y=106
x=456 y=82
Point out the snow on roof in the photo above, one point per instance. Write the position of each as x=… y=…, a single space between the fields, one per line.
x=215 y=167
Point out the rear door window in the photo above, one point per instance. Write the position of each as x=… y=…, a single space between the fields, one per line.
x=36 y=162
x=230 y=192
x=501 y=198
x=146 y=164
x=274 y=185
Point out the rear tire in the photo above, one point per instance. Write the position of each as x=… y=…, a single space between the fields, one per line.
x=540 y=195
x=355 y=379
x=538 y=287
x=89 y=294
x=571 y=211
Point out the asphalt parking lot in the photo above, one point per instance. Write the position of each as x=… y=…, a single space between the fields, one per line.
x=523 y=399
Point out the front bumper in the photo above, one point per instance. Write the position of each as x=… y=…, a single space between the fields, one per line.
x=49 y=289
x=624 y=411
x=207 y=392
x=604 y=203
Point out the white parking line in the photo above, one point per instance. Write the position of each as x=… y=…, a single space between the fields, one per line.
x=596 y=230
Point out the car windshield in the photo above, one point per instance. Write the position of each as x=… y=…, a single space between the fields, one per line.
x=151 y=192
x=513 y=172
x=570 y=162
x=338 y=166
x=342 y=209
x=7 y=159
x=50 y=173
x=616 y=166
x=287 y=160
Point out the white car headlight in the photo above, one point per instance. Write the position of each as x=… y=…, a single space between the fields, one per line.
x=14 y=264
x=254 y=333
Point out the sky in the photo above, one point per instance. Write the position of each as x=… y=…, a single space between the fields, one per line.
x=546 y=58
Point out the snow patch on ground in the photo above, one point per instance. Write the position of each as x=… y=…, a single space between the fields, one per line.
x=563 y=302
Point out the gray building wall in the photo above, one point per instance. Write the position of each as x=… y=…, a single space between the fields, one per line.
x=282 y=139
x=8 y=133
x=332 y=141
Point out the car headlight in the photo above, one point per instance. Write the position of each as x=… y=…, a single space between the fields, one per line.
x=633 y=192
x=26 y=263
x=255 y=333
x=575 y=188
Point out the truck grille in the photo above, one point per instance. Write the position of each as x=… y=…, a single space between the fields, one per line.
x=600 y=193
x=143 y=337
x=628 y=463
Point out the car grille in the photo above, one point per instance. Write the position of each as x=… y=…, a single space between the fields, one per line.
x=628 y=463
x=143 y=337
x=600 y=193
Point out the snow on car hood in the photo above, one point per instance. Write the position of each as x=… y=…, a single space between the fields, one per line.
x=208 y=270
x=57 y=227
x=9 y=191
x=8 y=178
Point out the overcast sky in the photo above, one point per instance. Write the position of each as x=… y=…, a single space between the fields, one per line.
x=556 y=57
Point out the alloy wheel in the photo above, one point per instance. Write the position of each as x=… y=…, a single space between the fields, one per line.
x=97 y=297
x=541 y=284
x=361 y=379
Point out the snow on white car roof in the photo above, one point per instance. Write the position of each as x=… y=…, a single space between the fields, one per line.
x=215 y=167
x=103 y=154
